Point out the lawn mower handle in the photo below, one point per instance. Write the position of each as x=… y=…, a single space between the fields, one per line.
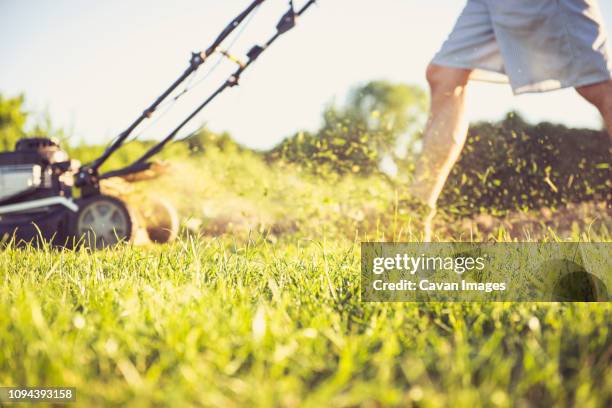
x=286 y=23
x=87 y=176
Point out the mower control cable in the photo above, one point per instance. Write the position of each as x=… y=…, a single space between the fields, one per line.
x=191 y=84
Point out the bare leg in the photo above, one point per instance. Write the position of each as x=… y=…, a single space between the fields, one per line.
x=445 y=132
x=443 y=138
x=600 y=95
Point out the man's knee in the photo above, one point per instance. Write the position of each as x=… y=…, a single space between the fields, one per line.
x=446 y=79
x=599 y=94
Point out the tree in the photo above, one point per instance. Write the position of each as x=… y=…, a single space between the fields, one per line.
x=389 y=111
x=378 y=118
x=12 y=121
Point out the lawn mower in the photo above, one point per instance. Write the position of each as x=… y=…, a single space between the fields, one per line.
x=47 y=197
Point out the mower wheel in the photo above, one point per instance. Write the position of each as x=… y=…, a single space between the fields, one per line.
x=102 y=221
x=161 y=220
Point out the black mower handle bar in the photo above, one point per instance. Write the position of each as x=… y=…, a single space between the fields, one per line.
x=196 y=60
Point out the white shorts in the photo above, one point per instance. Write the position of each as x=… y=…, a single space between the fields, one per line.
x=536 y=45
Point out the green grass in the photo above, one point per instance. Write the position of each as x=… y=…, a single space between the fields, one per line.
x=208 y=322
x=267 y=312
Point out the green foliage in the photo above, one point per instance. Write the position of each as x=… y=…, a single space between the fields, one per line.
x=13 y=118
x=387 y=110
x=514 y=165
x=205 y=139
x=195 y=145
x=12 y=121
x=377 y=118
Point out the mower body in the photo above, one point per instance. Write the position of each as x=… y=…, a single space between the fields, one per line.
x=37 y=203
x=36 y=192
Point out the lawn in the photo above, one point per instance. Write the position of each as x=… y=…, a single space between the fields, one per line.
x=258 y=304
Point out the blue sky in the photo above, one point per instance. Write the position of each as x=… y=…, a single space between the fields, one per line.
x=95 y=65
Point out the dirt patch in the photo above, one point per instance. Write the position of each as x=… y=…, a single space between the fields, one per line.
x=565 y=221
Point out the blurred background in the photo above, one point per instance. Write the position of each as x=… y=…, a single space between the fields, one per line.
x=324 y=129
x=94 y=66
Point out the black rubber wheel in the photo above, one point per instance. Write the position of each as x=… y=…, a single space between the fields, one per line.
x=102 y=221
